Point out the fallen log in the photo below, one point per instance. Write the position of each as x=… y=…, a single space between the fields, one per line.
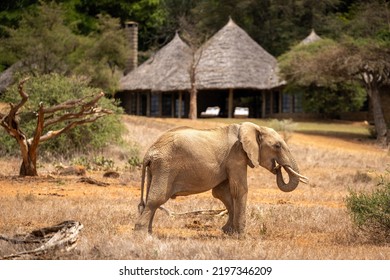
x=62 y=236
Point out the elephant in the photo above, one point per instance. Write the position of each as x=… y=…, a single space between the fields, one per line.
x=185 y=161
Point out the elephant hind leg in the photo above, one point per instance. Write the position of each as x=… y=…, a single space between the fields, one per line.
x=222 y=192
x=156 y=196
x=145 y=220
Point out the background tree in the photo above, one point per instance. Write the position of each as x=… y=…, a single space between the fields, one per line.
x=103 y=55
x=367 y=62
x=363 y=59
x=41 y=41
x=45 y=43
x=148 y=13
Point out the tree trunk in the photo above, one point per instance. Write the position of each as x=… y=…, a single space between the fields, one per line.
x=193 y=114
x=379 y=119
x=29 y=163
x=28 y=168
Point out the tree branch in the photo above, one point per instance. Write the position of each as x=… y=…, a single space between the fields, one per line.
x=52 y=134
x=9 y=121
x=34 y=142
x=86 y=108
x=73 y=103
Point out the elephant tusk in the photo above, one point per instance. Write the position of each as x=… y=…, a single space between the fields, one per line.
x=302 y=178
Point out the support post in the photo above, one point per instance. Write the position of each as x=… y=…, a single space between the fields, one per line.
x=148 y=105
x=180 y=104
x=230 y=103
x=160 y=105
x=263 y=104
x=138 y=110
x=172 y=105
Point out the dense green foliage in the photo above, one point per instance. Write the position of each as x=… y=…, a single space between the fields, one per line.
x=371 y=212
x=74 y=37
x=46 y=43
x=53 y=89
x=276 y=25
x=330 y=102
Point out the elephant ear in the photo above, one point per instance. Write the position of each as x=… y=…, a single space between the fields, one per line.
x=249 y=138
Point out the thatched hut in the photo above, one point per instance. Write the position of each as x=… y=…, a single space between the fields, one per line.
x=155 y=87
x=230 y=70
x=313 y=37
x=232 y=66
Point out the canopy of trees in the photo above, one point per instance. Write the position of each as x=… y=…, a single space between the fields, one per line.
x=74 y=37
x=276 y=25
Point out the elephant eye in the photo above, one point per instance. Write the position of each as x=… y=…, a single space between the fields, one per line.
x=278 y=145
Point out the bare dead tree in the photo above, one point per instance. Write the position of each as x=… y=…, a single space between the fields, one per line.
x=195 y=39
x=70 y=113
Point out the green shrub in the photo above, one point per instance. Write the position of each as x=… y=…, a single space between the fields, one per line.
x=134 y=161
x=53 y=89
x=371 y=212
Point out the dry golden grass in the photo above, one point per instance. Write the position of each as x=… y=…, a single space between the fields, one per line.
x=309 y=223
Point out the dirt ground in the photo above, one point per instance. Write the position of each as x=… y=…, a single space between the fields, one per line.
x=309 y=223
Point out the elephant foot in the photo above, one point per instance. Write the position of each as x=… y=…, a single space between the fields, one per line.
x=230 y=230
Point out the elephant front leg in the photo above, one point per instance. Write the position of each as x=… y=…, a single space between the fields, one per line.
x=239 y=217
x=239 y=192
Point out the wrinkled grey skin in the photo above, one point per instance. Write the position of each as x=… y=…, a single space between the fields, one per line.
x=186 y=161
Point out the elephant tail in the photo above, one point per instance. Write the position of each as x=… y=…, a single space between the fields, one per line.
x=145 y=165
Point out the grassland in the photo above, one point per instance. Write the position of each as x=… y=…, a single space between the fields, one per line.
x=309 y=223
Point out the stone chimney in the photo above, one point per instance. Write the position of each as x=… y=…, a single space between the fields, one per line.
x=131 y=28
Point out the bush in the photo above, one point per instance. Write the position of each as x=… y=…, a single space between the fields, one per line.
x=53 y=89
x=371 y=212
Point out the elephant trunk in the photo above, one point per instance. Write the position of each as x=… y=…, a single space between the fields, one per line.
x=293 y=175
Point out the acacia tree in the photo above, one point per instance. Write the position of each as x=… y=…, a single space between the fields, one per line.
x=328 y=63
x=368 y=62
x=70 y=114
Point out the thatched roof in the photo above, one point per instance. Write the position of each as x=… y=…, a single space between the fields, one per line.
x=232 y=59
x=167 y=70
x=313 y=37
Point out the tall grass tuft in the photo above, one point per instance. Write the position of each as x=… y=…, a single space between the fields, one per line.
x=371 y=212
